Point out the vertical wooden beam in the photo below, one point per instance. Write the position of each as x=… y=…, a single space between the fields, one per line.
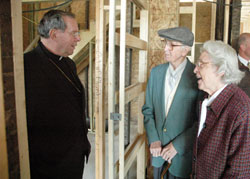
x=91 y=111
x=99 y=91
x=193 y=29
x=122 y=87
x=3 y=143
x=235 y=20
x=16 y=13
x=111 y=85
x=213 y=21
x=144 y=24
x=226 y=21
x=143 y=58
x=219 y=20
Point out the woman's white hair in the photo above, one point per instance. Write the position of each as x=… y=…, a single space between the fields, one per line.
x=225 y=58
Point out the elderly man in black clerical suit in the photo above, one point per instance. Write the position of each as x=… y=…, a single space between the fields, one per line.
x=57 y=131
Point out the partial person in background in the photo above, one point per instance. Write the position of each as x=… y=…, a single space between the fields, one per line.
x=57 y=131
x=169 y=110
x=222 y=146
x=244 y=61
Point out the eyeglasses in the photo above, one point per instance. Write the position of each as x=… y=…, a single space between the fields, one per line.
x=201 y=64
x=75 y=34
x=170 y=44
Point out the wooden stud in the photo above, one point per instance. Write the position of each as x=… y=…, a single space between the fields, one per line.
x=16 y=13
x=91 y=110
x=143 y=59
x=142 y=4
x=144 y=25
x=226 y=22
x=99 y=90
x=122 y=87
x=16 y=10
x=82 y=65
x=131 y=92
x=130 y=154
x=193 y=30
x=3 y=144
x=111 y=85
x=213 y=21
x=132 y=42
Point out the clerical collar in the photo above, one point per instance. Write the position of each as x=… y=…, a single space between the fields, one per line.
x=48 y=53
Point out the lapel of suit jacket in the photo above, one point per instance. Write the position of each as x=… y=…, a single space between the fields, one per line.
x=242 y=67
x=185 y=82
x=161 y=77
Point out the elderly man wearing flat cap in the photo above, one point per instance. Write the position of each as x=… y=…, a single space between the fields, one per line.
x=169 y=110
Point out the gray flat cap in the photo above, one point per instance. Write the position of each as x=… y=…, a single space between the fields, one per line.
x=179 y=34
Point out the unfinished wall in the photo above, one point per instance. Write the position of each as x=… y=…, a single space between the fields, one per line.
x=10 y=118
x=163 y=14
x=203 y=20
x=32 y=19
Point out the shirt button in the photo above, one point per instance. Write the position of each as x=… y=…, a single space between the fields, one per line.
x=165 y=130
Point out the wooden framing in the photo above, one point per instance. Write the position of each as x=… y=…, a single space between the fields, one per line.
x=124 y=40
x=17 y=37
x=213 y=21
x=193 y=29
x=99 y=89
x=3 y=144
x=39 y=1
x=23 y=169
x=91 y=110
x=132 y=42
x=122 y=87
x=191 y=10
x=226 y=22
x=111 y=85
x=131 y=153
x=142 y=78
x=131 y=92
x=142 y=4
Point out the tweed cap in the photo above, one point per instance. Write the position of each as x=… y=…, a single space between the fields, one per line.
x=179 y=34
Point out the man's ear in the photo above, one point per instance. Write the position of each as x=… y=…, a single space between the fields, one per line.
x=243 y=47
x=185 y=51
x=53 y=33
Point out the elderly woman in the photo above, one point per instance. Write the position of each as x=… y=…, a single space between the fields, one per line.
x=222 y=146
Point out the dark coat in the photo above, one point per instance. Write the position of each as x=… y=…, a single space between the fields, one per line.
x=245 y=82
x=57 y=131
x=222 y=149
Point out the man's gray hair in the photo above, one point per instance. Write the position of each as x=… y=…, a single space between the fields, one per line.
x=225 y=58
x=53 y=19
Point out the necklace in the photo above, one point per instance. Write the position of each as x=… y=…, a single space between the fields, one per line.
x=65 y=75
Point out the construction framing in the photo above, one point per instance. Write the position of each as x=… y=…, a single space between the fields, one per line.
x=124 y=95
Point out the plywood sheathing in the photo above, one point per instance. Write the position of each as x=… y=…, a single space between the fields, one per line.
x=203 y=20
x=163 y=14
x=79 y=9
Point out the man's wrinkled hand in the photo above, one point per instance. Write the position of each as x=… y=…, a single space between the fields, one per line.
x=155 y=148
x=168 y=152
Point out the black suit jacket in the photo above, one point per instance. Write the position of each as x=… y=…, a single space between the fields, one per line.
x=57 y=131
x=245 y=82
